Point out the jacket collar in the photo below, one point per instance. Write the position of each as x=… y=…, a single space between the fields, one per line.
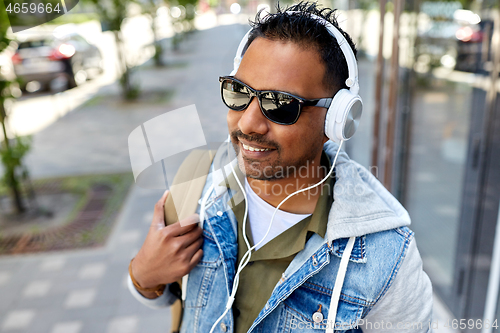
x=361 y=206
x=361 y=203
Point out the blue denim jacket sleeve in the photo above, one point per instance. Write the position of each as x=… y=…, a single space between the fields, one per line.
x=407 y=304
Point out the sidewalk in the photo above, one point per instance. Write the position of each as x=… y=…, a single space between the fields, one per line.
x=85 y=291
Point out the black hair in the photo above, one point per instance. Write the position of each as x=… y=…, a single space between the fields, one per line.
x=302 y=29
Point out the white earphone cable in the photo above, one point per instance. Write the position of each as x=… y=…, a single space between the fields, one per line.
x=246 y=257
x=204 y=203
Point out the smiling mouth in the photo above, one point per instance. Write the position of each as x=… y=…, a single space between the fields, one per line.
x=250 y=148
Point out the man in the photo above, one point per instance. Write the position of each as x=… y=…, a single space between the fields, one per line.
x=297 y=264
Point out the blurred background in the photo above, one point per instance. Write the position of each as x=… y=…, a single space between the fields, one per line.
x=74 y=88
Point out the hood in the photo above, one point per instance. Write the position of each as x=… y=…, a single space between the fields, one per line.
x=361 y=204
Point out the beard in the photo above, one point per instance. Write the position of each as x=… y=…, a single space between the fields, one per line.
x=272 y=168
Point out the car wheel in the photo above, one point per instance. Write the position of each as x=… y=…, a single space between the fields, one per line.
x=78 y=77
x=60 y=83
x=71 y=82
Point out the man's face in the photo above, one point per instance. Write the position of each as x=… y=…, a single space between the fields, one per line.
x=287 y=67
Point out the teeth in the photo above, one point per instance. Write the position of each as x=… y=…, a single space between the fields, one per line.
x=252 y=148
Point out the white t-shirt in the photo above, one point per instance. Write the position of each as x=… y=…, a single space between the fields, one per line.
x=260 y=214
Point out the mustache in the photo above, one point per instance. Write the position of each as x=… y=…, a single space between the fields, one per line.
x=258 y=139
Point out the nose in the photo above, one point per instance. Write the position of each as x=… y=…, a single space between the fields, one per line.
x=252 y=120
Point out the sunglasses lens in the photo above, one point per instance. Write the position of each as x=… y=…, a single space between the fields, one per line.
x=280 y=108
x=235 y=95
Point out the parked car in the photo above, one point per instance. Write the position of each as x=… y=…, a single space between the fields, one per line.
x=45 y=58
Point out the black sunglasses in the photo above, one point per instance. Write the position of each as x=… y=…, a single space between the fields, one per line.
x=277 y=106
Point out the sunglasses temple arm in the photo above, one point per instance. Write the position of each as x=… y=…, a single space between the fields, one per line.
x=323 y=103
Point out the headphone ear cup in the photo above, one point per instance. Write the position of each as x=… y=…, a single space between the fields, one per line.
x=342 y=117
x=330 y=123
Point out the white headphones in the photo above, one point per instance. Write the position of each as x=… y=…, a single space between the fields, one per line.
x=342 y=117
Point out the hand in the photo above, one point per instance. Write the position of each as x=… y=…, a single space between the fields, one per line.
x=169 y=252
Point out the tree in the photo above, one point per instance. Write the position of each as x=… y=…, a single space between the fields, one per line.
x=189 y=16
x=182 y=14
x=112 y=14
x=12 y=151
x=150 y=8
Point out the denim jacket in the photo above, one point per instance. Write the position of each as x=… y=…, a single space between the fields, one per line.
x=385 y=288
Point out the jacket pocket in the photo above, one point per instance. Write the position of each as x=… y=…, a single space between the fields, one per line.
x=311 y=298
x=201 y=278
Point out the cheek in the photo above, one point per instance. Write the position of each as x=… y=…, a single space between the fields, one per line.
x=314 y=126
x=310 y=135
x=232 y=120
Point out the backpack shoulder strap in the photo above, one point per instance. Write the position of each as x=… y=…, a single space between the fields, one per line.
x=185 y=191
x=187 y=186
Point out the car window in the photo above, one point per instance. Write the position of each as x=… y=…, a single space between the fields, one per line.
x=79 y=40
x=35 y=43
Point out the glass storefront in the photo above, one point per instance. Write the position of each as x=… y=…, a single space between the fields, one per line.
x=441 y=112
x=444 y=91
x=452 y=62
x=445 y=68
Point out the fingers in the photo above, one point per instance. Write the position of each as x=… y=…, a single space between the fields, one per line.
x=193 y=247
x=195 y=259
x=164 y=196
x=191 y=237
x=159 y=213
x=184 y=226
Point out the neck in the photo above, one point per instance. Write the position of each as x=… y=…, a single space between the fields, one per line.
x=275 y=191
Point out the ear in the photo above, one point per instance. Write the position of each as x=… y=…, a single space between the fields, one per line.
x=325 y=139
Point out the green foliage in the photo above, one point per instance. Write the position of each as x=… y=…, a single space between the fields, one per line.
x=150 y=7
x=12 y=152
x=12 y=157
x=367 y=4
x=4 y=25
x=188 y=11
x=5 y=84
x=184 y=3
x=465 y=3
x=111 y=12
x=75 y=18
